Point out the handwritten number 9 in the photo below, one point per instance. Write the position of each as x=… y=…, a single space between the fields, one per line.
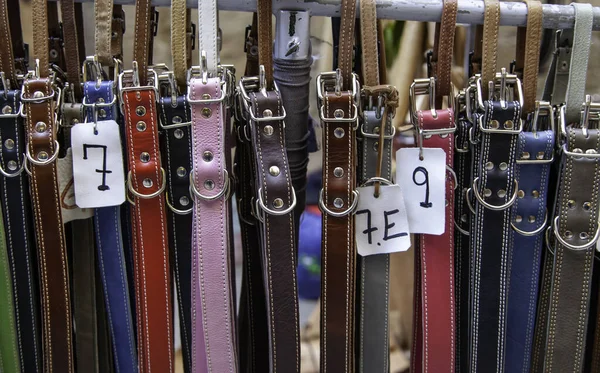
x=426 y=204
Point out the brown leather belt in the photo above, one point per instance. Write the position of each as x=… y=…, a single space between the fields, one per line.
x=39 y=100
x=337 y=93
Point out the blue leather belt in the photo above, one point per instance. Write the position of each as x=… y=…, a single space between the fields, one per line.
x=111 y=258
x=16 y=207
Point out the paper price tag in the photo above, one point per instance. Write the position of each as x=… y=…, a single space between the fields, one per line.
x=98 y=164
x=423 y=183
x=380 y=224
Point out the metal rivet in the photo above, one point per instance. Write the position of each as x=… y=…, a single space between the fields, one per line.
x=525 y=155
x=207 y=156
x=209 y=185
x=584 y=235
x=9 y=144
x=503 y=166
x=489 y=166
x=268 y=130
x=278 y=203
x=145 y=157
x=141 y=126
x=520 y=194
x=487 y=192
x=540 y=155
x=535 y=194
x=509 y=124
x=518 y=218
x=274 y=171
x=181 y=171
x=74 y=121
x=590 y=151
x=501 y=193
x=463 y=218
x=206 y=112
x=571 y=203
x=53 y=53
x=38 y=94
x=100 y=100
x=531 y=219
x=40 y=127
x=178 y=133
x=338 y=172
x=140 y=110
x=206 y=96
x=177 y=119
x=12 y=165
x=102 y=113
x=339 y=132
x=6 y=110
x=494 y=124
x=587 y=206
x=147 y=183
x=338 y=203
x=114 y=35
x=376 y=130
x=42 y=156
x=577 y=150
x=184 y=201
x=569 y=234
x=376 y=146
x=338 y=113
x=267 y=113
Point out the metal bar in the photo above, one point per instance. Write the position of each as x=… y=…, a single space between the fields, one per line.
x=469 y=11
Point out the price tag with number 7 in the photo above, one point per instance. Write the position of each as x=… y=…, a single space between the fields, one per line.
x=422 y=177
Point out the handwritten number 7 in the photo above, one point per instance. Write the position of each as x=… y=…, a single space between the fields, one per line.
x=426 y=204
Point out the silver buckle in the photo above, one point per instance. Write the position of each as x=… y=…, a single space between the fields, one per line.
x=333 y=79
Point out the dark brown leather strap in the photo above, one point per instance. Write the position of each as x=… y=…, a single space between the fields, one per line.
x=55 y=37
x=141 y=46
x=346 y=45
x=443 y=50
x=251 y=48
x=265 y=40
x=19 y=49
x=67 y=8
x=118 y=29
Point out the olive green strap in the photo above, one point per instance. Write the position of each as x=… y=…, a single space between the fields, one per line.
x=9 y=354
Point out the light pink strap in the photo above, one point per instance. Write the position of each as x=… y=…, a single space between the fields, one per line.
x=213 y=338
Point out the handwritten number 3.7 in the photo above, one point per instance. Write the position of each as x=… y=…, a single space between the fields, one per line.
x=426 y=204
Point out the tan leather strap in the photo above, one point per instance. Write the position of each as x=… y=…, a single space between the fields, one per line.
x=178 y=41
x=67 y=8
x=491 y=23
x=368 y=40
x=40 y=37
x=141 y=45
x=382 y=56
x=7 y=64
x=265 y=40
x=103 y=16
x=527 y=63
x=443 y=50
x=346 y=46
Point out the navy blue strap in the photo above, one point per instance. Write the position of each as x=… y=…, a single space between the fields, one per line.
x=529 y=220
x=176 y=152
x=111 y=258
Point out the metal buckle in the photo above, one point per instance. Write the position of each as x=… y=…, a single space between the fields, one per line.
x=333 y=79
x=175 y=210
x=47 y=161
x=573 y=247
x=349 y=210
x=542 y=108
x=260 y=203
x=258 y=85
x=504 y=79
x=136 y=83
x=201 y=72
x=590 y=111
x=17 y=172
x=151 y=195
x=493 y=207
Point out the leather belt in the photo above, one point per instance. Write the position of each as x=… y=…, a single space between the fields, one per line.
x=253 y=329
x=9 y=344
x=495 y=189
x=337 y=94
x=39 y=103
x=110 y=249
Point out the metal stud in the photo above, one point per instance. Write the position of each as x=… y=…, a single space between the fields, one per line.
x=145 y=157
x=463 y=218
x=206 y=96
x=177 y=119
x=487 y=192
x=147 y=182
x=521 y=194
x=509 y=124
x=278 y=203
x=184 y=201
x=9 y=144
x=571 y=204
x=38 y=94
x=338 y=113
x=7 y=110
x=338 y=203
x=12 y=165
x=525 y=155
x=102 y=113
x=40 y=127
x=540 y=155
x=531 y=219
x=494 y=124
x=267 y=113
x=339 y=132
x=535 y=194
x=587 y=206
x=42 y=156
x=584 y=235
x=274 y=171
x=207 y=156
x=178 y=133
x=338 y=172
x=53 y=53
x=503 y=166
x=206 y=112
x=181 y=171
x=75 y=121
x=376 y=130
x=140 y=110
x=501 y=193
x=376 y=146
x=141 y=126
x=518 y=218
x=569 y=234
x=209 y=185
x=489 y=166
x=590 y=151
x=268 y=130
x=100 y=100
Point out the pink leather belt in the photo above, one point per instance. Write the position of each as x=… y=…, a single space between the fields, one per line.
x=213 y=311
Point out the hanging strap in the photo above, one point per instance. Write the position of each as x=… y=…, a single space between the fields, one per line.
x=178 y=40
x=443 y=50
x=9 y=345
x=491 y=26
x=103 y=15
x=527 y=61
x=73 y=63
x=141 y=47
